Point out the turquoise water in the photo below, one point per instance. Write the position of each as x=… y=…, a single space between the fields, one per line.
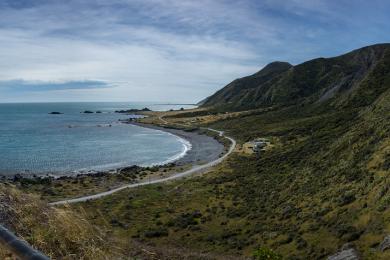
x=35 y=142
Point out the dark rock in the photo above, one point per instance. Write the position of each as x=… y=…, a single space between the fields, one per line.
x=88 y=112
x=17 y=177
x=98 y=112
x=129 y=111
x=385 y=245
x=55 y=113
x=131 y=168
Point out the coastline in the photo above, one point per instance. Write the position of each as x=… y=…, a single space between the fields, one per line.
x=198 y=149
x=196 y=169
x=208 y=149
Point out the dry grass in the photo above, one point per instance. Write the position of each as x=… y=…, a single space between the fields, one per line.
x=58 y=232
x=65 y=233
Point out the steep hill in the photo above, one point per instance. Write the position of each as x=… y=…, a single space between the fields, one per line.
x=323 y=185
x=352 y=79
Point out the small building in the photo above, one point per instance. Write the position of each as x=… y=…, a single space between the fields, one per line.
x=256 y=146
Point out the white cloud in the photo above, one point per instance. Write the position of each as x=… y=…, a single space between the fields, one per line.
x=153 y=63
x=168 y=49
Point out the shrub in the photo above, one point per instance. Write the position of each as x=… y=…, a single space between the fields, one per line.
x=266 y=254
x=157 y=232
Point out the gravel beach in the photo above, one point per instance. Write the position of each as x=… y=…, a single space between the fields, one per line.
x=204 y=148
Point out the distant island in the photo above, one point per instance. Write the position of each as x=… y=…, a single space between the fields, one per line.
x=91 y=112
x=132 y=110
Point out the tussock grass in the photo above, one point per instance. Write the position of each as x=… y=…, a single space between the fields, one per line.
x=60 y=233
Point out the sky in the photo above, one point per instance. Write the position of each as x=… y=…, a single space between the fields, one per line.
x=177 y=51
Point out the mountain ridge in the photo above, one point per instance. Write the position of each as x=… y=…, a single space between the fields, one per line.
x=316 y=81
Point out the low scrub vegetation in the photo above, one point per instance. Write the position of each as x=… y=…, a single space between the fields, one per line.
x=325 y=185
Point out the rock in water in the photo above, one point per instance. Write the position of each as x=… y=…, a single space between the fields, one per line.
x=129 y=111
x=346 y=254
x=385 y=245
x=55 y=113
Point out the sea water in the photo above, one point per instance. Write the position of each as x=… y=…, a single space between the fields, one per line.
x=32 y=141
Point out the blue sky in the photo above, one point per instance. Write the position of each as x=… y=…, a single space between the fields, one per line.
x=168 y=50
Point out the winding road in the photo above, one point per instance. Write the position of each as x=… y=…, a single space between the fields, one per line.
x=195 y=169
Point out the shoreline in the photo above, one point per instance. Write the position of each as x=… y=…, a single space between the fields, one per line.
x=209 y=148
x=190 y=141
x=199 y=149
x=174 y=176
x=186 y=144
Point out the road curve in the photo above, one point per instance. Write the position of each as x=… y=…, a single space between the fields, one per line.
x=195 y=169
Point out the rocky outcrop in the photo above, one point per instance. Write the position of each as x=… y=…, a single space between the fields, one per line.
x=347 y=252
x=132 y=110
x=385 y=245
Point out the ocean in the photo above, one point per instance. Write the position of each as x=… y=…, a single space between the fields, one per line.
x=34 y=142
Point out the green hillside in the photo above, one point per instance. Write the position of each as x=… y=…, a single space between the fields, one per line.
x=337 y=80
x=324 y=184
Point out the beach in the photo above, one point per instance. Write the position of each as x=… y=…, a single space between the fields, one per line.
x=204 y=148
x=177 y=172
x=206 y=151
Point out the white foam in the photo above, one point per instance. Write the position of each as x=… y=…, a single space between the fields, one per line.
x=186 y=146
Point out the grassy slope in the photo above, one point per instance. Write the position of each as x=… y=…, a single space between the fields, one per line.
x=325 y=186
x=59 y=233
